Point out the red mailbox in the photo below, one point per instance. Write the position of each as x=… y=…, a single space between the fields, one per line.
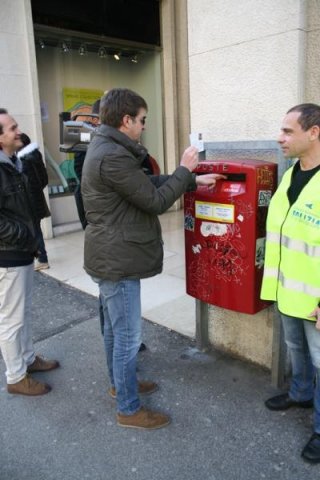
x=225 y=234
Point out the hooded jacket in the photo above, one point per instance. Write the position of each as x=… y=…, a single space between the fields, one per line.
x=17 y=223
x=35 y=170
x=123 y=236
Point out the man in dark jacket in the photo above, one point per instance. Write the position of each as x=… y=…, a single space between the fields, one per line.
x=123 y=240
x=18 y=247
x=78 y=166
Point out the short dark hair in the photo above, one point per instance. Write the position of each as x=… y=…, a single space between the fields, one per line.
x=119 y=102
x=310 y=115
x=25 y=139
x=3 y=111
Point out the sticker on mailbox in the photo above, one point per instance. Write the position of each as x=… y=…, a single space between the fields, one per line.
x=231 y=187
x=264 y=197
x=217 y=212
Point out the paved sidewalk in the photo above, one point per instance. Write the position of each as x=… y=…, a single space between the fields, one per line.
x=220 y=428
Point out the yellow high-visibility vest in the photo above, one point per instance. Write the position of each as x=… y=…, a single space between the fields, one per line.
x=292 y=261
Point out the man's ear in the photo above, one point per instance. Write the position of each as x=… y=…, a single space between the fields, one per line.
x=125 y=124
x=314 y=132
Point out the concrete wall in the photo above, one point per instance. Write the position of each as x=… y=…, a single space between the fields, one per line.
x=312 y=74
x=175 y=80
x=249 y=61
x=18 y=73
x=246 y=66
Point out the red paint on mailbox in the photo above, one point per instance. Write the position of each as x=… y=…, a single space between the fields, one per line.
x=225 y=234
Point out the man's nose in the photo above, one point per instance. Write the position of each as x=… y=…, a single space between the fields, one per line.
x=280 y=138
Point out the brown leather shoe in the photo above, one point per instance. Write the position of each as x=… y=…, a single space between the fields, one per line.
x=42 y=365
x=144 y=388
x=143 y=418
x=28 y=386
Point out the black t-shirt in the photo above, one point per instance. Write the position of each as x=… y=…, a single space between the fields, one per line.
x=299 y=180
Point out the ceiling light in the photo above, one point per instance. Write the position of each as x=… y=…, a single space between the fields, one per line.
x=83 y=50
x=102 y=52
x=116 y=56
x=134 y=59
x=65 y=47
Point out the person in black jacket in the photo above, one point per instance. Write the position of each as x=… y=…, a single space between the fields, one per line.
x=18 y=248
x=78 y=166
x=35 y=170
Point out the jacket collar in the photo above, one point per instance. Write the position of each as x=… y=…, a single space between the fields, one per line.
x=5 y=159
x=113 y=134
x=28 y=149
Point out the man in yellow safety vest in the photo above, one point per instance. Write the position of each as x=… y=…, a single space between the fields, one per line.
x=292 y=263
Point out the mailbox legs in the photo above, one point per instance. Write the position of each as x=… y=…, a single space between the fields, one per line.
x=279 y=353
x=202 y=333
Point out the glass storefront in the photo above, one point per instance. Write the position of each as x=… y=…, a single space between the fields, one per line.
x=74 y=70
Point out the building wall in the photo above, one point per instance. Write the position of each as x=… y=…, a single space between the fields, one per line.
x=18 y=76
x=246 y=66
x=249 y=62
x=312 y=74
x=175 y=81
x=19 y=92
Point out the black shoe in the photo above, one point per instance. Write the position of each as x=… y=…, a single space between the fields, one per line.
x=142 y=347
x=311 y=451
x=283 y=402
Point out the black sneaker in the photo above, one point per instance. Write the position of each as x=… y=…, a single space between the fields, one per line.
x=283 y=402
x=311 y=452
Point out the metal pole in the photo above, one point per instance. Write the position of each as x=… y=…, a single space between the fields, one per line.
x=202 y=333
x=279 y=353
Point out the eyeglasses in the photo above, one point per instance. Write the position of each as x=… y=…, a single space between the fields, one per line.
x=141 y=120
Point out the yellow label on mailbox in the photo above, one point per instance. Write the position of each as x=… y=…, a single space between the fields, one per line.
x=216 y=212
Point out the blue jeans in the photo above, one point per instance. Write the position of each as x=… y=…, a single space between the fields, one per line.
x=122 y=337
x=303 y=342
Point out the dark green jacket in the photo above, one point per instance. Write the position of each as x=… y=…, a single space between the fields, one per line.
x=123 y=236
